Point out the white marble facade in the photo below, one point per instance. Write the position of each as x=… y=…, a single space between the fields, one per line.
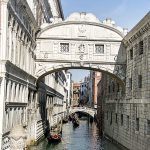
x=23 y=100
x=36 y=47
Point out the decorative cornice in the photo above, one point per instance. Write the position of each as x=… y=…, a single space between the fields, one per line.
x=12 y=12
x=15 y=104
x=80 y=22
x=141 y=28
x=139 y=33
x=78 y=39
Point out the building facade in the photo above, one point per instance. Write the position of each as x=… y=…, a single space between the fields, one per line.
x=23 y=100
x=95 y=77
x=76 y=94
x=34 y=104
x=125 y=112
x=69 y=89
x=84 y=91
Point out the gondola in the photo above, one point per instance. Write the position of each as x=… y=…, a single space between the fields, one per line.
x=54 y=138
x=55 y=134
x=75 y=122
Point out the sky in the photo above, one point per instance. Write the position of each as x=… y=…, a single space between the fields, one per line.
x=79 y=74
x=125 y=13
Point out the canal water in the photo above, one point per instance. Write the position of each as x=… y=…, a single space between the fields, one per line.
x=84 y=137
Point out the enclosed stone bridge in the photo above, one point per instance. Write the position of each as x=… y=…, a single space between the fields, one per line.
x=86 y=110
x=81 y=41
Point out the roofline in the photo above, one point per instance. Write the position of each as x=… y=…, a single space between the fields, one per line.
x=138 y=26
x=81 y=22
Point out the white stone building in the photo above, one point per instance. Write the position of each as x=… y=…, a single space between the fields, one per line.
x=25 y=101
x=69 y=89
x=32 y=97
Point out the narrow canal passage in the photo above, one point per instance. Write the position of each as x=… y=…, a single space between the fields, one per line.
x=84 y=137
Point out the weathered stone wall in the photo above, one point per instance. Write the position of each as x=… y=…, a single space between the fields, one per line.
x=126 y=119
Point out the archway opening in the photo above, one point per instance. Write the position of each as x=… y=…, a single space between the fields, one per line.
x=57 y=99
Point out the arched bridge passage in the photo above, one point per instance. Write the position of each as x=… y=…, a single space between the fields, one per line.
x=81 y=41
x=55 y=68
x=85 y=110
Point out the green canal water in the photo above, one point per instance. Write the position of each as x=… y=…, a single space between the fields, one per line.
x=84 y=137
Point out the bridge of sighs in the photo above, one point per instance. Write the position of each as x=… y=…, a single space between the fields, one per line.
x=81 y=41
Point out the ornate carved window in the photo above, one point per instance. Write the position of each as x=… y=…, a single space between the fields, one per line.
x=99 y=49
x=64 y=47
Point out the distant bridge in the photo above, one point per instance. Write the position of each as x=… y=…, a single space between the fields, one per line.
x=87 y=110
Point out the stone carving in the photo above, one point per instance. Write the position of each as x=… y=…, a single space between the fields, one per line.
x=82 y=48
x=82 y=51
x=16 y=145
x=81 y=57
x=17 y=138
x=82 y=28
x=115 y=58
x=46 y=55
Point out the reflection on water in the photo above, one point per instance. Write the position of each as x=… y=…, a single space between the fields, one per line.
x=84 y=137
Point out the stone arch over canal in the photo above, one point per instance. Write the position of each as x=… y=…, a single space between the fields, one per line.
x=81 y=41
x=85 y=110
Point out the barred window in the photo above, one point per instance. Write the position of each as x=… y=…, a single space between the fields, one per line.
x=131 y=53
x=116 y=118
x=140 y=81
x=122 y=119
x=127 y=122
x=137 y=124
x=99 y=49
x=141 y=47
x=64 y=47
x=118 y=87
x=111 y=119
